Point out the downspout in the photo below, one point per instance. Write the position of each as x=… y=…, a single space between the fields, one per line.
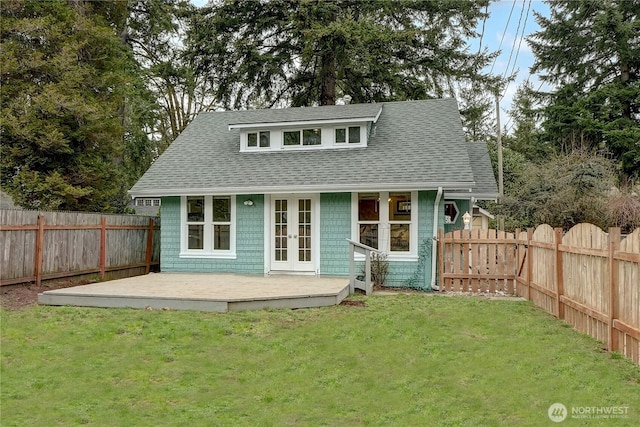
x=434 y=253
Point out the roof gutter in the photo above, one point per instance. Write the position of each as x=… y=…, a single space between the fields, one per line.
x=434 y=254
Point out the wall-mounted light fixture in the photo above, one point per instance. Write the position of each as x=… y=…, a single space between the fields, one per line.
x=248 y=202
x=466 y=218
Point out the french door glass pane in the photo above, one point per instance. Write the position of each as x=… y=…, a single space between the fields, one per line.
x=304 y=230
x=280 y=234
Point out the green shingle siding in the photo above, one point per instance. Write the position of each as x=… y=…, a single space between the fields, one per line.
x=335 y=228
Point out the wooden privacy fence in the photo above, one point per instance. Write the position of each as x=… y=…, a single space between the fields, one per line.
x=477 y=261
x=588 y=278
x=40 y=246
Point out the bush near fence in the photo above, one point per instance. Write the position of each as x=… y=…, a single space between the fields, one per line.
x=588 y=278
x=39 y=246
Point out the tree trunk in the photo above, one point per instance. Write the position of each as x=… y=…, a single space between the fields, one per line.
x=328 y=78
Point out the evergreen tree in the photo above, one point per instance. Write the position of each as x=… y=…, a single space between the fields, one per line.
x=70 y=111
x=309 y=52
x=525 y=114
x=157 y=34
x=590 y=51
x=476 y=108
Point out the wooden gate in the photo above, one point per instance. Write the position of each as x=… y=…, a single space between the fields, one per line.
x=477 y=261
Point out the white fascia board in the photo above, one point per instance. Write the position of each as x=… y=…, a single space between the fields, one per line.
x=302 y=123
x=477 y=196
x=344 y=188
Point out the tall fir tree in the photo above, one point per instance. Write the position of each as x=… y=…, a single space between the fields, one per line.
x=71 y=109
x=310 y=52
x=589 y=50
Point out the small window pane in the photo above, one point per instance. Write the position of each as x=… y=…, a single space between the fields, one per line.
x=196 y=236
x=400 y=206
x=400 y=237
x=292 y=138
x=252 y=139
x=354 y=135
x=140 y=202
x=311 y=137
x=195 y=209
x=222 y=209
x=147 y=202
x=265 y=139
x=369 y=235
x=156 y=202
x=368 y=206
x=341 y=135
x=222 y=237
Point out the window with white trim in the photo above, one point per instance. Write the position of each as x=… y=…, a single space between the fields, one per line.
x=260 y=139
x=390 y=227
x=350 y=134
x=295 y=138
x=208 y=226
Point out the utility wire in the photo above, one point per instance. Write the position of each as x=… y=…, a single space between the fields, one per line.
x=513 y=45
x=503 y=34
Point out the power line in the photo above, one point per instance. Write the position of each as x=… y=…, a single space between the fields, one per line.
x=524 y=27
x=503 y=34
x=506 y=69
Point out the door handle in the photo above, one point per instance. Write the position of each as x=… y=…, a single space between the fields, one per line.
x=295 y=236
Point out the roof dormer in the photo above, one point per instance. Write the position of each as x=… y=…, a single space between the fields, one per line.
x=327 y=127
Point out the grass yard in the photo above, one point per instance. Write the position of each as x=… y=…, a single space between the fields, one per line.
x=404 y=360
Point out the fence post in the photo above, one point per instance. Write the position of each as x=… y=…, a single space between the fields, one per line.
x=559 y=272
x=614 y=243
x=39 y=248
x=103 y=246
x=529 y=250
x=149 y=246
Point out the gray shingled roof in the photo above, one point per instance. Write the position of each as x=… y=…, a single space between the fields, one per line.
x=414 y=145
x=328 y=112
x=486 y=186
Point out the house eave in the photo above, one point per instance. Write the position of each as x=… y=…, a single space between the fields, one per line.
x=301 y=123
x=309 y=189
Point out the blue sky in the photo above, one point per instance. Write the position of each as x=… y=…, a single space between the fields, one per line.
x=505 y=34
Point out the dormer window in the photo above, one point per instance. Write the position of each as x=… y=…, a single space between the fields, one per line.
x=292 y=138
x=353 y=133
x=309 y=128
x=264 y=137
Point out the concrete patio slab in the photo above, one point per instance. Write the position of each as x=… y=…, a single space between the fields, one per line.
x=204 y=292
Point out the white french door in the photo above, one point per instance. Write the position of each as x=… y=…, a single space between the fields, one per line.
x=293 y=239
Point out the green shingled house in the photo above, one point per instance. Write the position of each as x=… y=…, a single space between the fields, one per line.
x=281 y=190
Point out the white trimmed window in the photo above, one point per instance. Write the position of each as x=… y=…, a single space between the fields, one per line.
x=208 y=229
x=260 y=139
x=350 y=135
x=295 y=138
x=387 y=221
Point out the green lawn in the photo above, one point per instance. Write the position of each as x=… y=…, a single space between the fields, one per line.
x=405 y=360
